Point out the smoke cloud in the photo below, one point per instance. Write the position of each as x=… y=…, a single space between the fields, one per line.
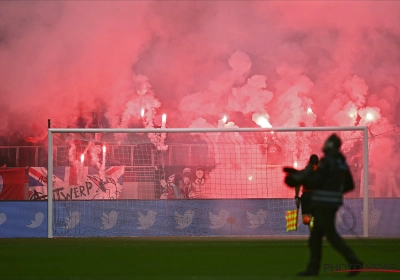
x=315 y=63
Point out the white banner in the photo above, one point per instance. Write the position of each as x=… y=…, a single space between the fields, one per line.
x=70 y=183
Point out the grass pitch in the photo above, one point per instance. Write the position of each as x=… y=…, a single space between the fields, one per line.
x=183 y=258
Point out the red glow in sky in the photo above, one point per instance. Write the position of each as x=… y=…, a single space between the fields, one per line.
x=61 y=60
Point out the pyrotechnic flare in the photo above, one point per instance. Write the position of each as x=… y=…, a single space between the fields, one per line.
x=163 y=120
x=81 y=170
x=263 y=122
x=158 y=139
x=369 y=115
x=222 y=121
x=103 y=164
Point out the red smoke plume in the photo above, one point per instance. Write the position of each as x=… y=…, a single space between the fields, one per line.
x=76 y=62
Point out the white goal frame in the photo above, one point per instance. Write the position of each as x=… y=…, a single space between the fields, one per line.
x=364 y=129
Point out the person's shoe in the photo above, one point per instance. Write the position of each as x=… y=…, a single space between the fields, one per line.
x=311 y=224
x=357 y=270
x=307 y=273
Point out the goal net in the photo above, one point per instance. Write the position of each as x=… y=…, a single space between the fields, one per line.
x=118 y=182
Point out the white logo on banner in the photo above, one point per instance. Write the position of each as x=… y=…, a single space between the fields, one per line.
x=37 y=221
x=218 y=221
x=184 y=220
x=109 y=220
x=73 y=220
x=3 y=218
x=146 y=221
x=258 y=219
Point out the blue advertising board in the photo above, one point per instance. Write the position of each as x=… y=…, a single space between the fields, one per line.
x=124 y=218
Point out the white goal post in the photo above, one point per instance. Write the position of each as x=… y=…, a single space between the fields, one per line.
x=159 y=138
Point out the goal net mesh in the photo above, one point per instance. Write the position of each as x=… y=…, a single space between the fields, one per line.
x=119 y=184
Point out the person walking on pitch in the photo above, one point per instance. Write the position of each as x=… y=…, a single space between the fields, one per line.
x=332 y=179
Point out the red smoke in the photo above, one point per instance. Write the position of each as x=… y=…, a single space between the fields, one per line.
x=199 y=60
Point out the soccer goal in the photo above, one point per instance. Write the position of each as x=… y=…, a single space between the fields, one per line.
x=118 y=182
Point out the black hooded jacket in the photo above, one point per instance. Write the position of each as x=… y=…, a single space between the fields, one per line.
x=332 y=179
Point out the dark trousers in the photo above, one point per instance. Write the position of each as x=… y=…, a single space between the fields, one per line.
x=306 y=203
x=324 y=225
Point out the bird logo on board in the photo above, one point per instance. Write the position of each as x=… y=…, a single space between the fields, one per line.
x=72 y=220
x=258 y=219
x=146 y=221
x=291 y=219
x=218 y=221
x=109 y=220
x=37 y=221
x=3 y=218
x=184 y=220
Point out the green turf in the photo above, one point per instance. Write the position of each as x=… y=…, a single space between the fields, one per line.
x=180 y=258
